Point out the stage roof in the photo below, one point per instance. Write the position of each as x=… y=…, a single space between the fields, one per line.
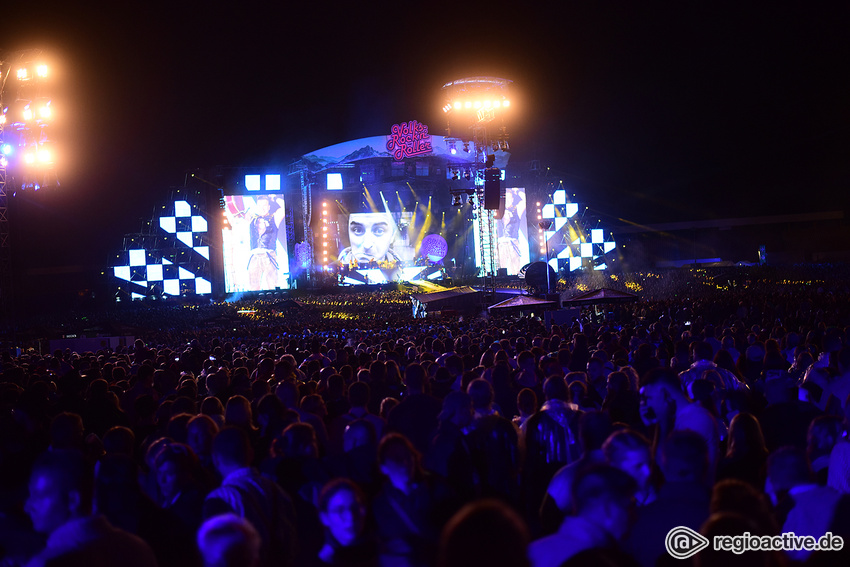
x=451 y=293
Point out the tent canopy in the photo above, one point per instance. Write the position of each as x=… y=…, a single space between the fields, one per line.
x=602 y=295
x=523 y=302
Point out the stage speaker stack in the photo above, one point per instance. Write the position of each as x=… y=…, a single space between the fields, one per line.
x=492 y=178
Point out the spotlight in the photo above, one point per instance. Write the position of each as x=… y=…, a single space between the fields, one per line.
x=471 y=199
x=27 y=113
x=6 y=149
x=457 y=105
x=467 y=174
x=467 y=104
x=457 y=201
x=41 y=71
x=455 y=175
x=466 y=147
x=506 y=103
x=22 y=74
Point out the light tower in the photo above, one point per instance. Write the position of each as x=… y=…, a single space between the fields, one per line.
x=26 y=149
x=475 y=109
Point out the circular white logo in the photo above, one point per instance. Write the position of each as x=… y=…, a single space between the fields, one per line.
x=683 y=542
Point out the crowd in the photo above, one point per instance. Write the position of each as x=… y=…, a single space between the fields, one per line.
x=283 y=437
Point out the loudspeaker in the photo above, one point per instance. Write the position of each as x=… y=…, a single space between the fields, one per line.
x=492 y=180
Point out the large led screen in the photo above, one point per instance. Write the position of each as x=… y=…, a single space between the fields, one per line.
x=380 y=247
x=512 y=232
x=254 y=243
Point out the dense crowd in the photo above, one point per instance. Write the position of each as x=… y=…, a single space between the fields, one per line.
x=340 y=431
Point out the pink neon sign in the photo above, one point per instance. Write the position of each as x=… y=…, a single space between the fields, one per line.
x=409 y=139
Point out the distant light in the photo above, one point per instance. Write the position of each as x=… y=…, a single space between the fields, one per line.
x=453 y=150
x=506 y=104
x=467 y=104
x=27 y=113
x=7 y=149
x=457 y=105
x=41 y=70
x=22 y=74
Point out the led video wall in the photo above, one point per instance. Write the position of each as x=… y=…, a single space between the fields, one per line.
x=511 y=233
x=254 y=243
x=172 y=260
x=572 y=243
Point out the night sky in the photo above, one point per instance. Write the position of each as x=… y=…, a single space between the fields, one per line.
x=647 y=114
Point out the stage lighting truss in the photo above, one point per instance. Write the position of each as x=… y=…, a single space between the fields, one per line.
x=571 y=242
x=483 y=95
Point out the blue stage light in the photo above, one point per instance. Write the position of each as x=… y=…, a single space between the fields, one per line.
x=6 y=149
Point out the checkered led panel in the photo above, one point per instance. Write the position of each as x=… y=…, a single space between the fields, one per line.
x=572 y=243
x=180 y=263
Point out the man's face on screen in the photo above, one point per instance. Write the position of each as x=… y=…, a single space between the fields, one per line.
x=371 y=235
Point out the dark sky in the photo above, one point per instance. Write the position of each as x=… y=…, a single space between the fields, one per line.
x=651 y=114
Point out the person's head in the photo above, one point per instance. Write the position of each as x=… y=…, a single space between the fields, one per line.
x=229 y=541
x=659 y=391
x=232 y=449
x=745 y=436
x=371 y=235
x=238 y=412
x=788 y=467
x=200 y=433
x=486 y=532
x=824 y=432
x=119 y=440
x=264 y=205
x=342 y=510
x=555 y=388
x=457 y=408
x=594 y=428
x=359 y=433
x=175 y=465
x=526 y=402
x=61 y=488
x=604 y=495
x=398 y=460
x=732 y=495
x=299 y=440
x=684 y=457
x=66 y=431
x=481 y=393
x=629 y=451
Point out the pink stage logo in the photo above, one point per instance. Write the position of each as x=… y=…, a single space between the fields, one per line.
x=409 y=140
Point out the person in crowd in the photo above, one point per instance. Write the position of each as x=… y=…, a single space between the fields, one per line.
x=61 y=492
x=228 y=540
x=746 y=453
x=486 y=532
x=666 y=408
x=630 y=452
x=603 y=498
x=247 y=494
x=415 y=416
x=342 y=511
